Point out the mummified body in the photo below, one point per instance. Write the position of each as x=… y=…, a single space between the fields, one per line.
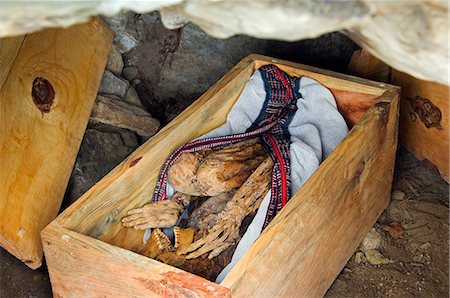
x=211 y=172
x=234 y=179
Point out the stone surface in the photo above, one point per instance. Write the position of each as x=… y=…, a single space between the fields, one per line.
x=132 y=97
x=398 y=195
x=121 y=114
x=390 y=30
x=127 y=36
x=101 y=150
x=130 y=73
x=113 y=85
x=360 y=258
x=371 y=241
x=201 y=60
x=115 y=61
x=374 y=257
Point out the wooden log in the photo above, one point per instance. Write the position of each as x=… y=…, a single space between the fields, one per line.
x=424 y=120
x=306 y=245
x=50 y=83
x=121 y=114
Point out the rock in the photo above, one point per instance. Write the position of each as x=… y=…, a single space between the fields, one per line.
x=111 y=84
x=125 y=42
x=371 y=241
x=132 y=97
x=115 y=61
x=398 y=195
x=126 y=35
x=199 y=62
x=374 y=257
x=360 y=258
x=425 y=247
x=130 y=73
x=99 y=153
x=121 y=114
x=394 y=229
x=390 y=30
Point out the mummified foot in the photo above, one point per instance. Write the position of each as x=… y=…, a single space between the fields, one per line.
x=226 y=230
x=211 y=172
x=161 y=214
x=159 y=243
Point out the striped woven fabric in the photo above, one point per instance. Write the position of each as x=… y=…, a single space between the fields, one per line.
x=271 y=126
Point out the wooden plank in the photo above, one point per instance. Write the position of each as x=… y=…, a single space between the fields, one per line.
x=9 y=47
x=74 y=268
x=45 y=104
x=363 y=64
x=424 y=120
x=328 y=78
x=308 y=243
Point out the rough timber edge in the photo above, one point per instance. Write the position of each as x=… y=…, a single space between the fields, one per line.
x=30 y=259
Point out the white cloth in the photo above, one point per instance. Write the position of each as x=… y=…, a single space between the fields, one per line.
x=316 y=128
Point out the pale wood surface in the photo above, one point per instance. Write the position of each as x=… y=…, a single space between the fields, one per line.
x=367 y=66
x=91 y=268
x=9 y=47
x=37 y=149
x=355 y=181
x=430 y=143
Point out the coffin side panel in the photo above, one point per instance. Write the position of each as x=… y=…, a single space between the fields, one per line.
x=45 y=103
x=424 y=120
x=80 y=266
x=306 y=246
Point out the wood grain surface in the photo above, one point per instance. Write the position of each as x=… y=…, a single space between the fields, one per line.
x=45 y=102
x=88 y=267
x=9 y=48
x=424 y=120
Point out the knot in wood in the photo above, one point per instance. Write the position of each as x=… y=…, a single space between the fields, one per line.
x=43 y=94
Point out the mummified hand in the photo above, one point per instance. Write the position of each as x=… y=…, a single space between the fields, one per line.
x=226 y=230
x=161 y=214
x=212 y=172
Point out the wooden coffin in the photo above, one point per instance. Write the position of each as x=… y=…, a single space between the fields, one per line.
x=48 y=84
x=300 y=253
x=424 y=120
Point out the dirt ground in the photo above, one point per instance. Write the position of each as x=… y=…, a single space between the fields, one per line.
x=419 y=261
x=176 y=66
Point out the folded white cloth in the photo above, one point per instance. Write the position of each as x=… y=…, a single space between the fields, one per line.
x=316 y=129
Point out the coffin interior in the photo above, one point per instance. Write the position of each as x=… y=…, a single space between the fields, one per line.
x=98 y=212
